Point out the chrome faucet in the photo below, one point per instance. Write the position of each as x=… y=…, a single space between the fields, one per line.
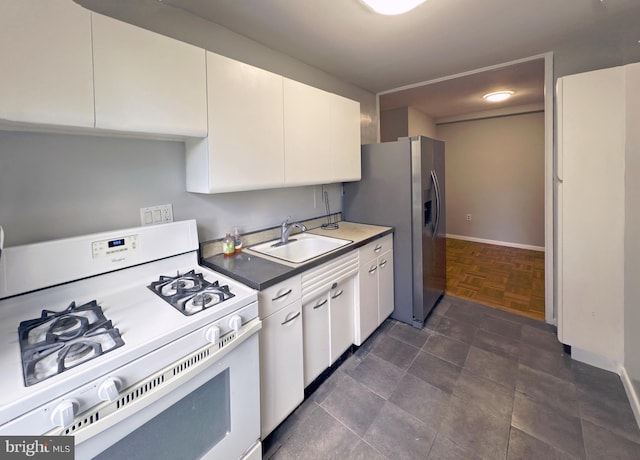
x=286 y=230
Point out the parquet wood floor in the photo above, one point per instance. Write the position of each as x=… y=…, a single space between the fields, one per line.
x=502 y=277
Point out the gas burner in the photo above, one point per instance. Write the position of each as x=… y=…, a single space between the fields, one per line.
x=209 y=296
x=58 y=341
x=190 y=293
x=179 y=285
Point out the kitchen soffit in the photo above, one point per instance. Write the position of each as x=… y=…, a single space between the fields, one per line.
x=380 y=53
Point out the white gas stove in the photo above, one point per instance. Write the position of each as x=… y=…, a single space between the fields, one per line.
x=91 y=324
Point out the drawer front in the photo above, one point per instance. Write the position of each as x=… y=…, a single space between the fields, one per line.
x=322 y=277
x=376 y=248
x=277 y=296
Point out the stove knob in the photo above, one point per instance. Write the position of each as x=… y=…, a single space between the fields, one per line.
x=235 y=322
x=212 y=334
x=108 y=390
x=64 y=413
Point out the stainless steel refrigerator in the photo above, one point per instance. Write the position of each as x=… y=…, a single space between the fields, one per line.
x=402 y=186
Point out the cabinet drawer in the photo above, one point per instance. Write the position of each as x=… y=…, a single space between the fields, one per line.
x=375 y=248
x=275 y=297
x=322 y=278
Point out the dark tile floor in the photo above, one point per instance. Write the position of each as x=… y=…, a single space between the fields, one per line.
x=475 y=383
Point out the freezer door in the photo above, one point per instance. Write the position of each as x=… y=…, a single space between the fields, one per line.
x=429 y=225
x=439 y=278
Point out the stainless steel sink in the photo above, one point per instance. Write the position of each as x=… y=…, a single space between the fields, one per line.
x=300 y=247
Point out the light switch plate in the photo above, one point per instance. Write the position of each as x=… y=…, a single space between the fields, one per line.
x=156 y=214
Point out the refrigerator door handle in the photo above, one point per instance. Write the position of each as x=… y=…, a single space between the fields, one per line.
x=436 y=185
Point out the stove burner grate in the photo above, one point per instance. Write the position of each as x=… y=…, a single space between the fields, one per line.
x=60 y=340
x=190 y=292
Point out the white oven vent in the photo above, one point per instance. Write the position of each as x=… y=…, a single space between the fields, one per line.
x=88 y=420
x=226 y=340
x=187 y=363
x=139 y=391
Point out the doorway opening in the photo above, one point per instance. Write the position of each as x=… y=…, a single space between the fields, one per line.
x=499 y=161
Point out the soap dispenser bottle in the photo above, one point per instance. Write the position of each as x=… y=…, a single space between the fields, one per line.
x=228 y=245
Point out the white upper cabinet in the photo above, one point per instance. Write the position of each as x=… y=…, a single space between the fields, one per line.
x=45 y=50
x=345 y=139
x=147 y=82
x=321 y=136
x=307 y=141
x=245 y=146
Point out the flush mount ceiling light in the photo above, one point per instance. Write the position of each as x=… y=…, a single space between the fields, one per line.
x=498 y=96
x=392 y=7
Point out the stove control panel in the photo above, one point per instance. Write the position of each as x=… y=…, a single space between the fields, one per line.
x=114 y=246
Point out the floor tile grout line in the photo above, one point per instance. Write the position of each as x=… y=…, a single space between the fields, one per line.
x=539 y=338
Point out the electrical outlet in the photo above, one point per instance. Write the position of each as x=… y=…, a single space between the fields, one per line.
x=468 y=216
x=156 y=214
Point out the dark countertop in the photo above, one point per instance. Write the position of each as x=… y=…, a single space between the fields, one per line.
x=259 y=272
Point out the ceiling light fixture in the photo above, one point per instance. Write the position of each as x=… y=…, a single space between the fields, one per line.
x=392 y=7
x=498 y=96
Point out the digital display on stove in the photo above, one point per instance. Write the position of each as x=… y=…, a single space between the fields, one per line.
x=116 y=243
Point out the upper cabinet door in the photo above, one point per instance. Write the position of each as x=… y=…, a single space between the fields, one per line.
x=307 y=143
x=146 y=82
x=46 y=76
x=245 y=147
x=345 y=139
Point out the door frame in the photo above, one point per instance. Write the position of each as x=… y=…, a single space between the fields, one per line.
x=550 y=306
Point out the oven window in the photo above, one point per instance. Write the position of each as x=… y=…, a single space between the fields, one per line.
x=186 y=430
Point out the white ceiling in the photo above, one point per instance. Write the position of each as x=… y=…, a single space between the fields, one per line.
x=437 y=39
x=463 y=95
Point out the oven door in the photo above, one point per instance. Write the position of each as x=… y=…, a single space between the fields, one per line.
x=214 y=414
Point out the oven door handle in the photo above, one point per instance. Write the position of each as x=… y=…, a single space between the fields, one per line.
x=290 y=319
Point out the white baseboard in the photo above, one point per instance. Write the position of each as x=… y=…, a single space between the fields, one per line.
x=630 y=389
x=595 y=360
x=499 y=243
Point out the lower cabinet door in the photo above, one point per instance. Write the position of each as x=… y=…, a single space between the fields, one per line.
x=281 y=368
x=385 y=286
x=341 y=304
x=366 y=313
x=315 y=325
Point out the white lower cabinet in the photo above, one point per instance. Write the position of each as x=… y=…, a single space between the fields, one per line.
x=376 y=287
x=310 y=320
x=341 y=305
x=328 y=301
x=315 y=332
x=281 y=359
x=386 y=301
x=367 y=311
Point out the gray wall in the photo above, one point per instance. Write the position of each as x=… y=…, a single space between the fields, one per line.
x=394 y=123
x=55 y=185
x=403 y=122
x=495 y=171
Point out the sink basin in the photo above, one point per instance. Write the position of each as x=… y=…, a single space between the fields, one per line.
x=301 y=247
